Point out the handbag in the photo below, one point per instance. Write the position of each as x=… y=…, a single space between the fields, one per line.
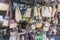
x=5 y=23
x=18 y=15
x=27 y=13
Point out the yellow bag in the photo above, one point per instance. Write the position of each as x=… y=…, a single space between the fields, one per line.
x=30 y=20
x=38 y=25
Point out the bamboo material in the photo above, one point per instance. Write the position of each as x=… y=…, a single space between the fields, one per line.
x=18 y=15
x=27 y=13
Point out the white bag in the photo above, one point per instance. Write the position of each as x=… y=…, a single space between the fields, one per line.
x=39 y=14
x=18 y=15
x=45 y=12
x=35 y=11
x=47 y=24
x=53 y=11
x=27 y=13
x=45 y=29
x=33 y=26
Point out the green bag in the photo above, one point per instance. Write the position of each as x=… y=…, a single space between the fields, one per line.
x=40 y=36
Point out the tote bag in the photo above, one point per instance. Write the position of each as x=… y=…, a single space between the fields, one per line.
x=35 y=11
x=27 y=13
x=18 y=15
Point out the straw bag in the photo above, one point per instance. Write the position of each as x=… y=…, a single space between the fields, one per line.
x=18 y=15
x=27 y=13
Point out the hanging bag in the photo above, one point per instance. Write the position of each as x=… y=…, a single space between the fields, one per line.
x=18 y=15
